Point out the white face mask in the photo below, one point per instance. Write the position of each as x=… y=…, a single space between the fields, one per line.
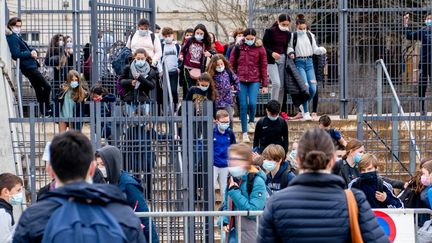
x=103 y=171
x=61 y=43
x=169 y=40
x=239 y=39
x=220 y=69
x=69 y=45
x=301 y=32
x=16 y=30
x=282 y=28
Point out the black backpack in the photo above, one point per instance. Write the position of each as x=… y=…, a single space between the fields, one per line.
x=410 y=199
x=285 y=181
x=249 y=186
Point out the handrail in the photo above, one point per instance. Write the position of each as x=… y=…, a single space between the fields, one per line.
x=380 y=65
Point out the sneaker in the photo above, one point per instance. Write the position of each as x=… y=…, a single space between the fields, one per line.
x=251 y=127
x=307 y=117
x=284 y=116
x=246 y=138
x=297 y=117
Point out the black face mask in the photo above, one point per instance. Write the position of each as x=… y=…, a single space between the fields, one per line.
x=369 y=175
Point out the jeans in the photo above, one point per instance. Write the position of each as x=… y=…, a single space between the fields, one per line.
x=276 y=73
x=137 y=109
x=248 y=103
x=306 y=69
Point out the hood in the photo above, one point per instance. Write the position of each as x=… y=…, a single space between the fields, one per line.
x=112 y=158
x=8 y=31
x=256 y=171
x=101 y=193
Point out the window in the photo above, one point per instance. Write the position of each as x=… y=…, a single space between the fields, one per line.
x=24 y=36
x=35 y=36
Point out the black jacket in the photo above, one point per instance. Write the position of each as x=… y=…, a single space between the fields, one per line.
x=314 y=209
x=271 y=132
x=32 y=223
x=268 y=42
x=294 y=84
x=142 y=94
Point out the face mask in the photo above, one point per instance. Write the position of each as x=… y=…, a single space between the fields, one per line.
x=282 y=28
x=357 y=158
x=169 y=40
x=17 y=199
x=143 y=32
x=16 y=30
x=301 y=32
x=203 y=88
x=139 y=63
x=98 y=99
x=269 y=165
x=293 y=153
x=272 y=118
x=61 y=43
x=74 y=84
x=250 y=42
x=428 y=22
x=69 y=45
x=104 y=171
x=224 y=126
x=220 y=69
x=188 y=37
x=239 y=39
x=199 y=37
x=237 y=171
x=425 y=180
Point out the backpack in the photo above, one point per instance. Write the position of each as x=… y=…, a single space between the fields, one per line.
x=424 y=234
x=285 y=176
x=309 y=35
x=249 y=186
x=119 y=87
x=409 y=198
x=77 y=221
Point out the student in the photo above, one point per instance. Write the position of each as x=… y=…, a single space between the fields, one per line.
x=71 y=101
x=314 y=207
x=138 y=79
x=223 y=137
x=204 y=91
x=378 y=192
x=103 y=98
x=271 y=129
x=189 y=32
x=238 y=37
x=347 y=168
x=158 y=32
x=216 y=46
x=170 y=58
x=426 y=180
x=279 y=172
x=226 y=82
x=249 y=62
x=72 y=167
x=338 y=140
x=10 y=194
x=109 y=161
x=246 y=191
x=28 y=64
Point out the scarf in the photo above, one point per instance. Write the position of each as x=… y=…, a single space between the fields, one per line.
x=144 y=70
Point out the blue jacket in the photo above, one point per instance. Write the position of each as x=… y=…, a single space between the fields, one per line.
x=275 y=183
x=19 y=49
x=425 y=36
x=314 y=209
x=368 y=184
x=426 y=197
x=221 y=142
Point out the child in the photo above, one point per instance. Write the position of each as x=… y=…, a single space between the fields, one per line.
x=100 y=95
x=225 y=81
x=10 y=194
x=223 y=138
x=338 y=140
x=71 y=101
x=271 y=129
x=378 y=192
x=170 y=58
x=204 y=91
x=189 y=32
x=279 y=171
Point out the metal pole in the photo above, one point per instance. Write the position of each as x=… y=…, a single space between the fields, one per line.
x=343 y=58
x=251 y=14
x=152 y=6
x=94 y=41
x=395 y=131
x=32 y=153
x=379 y=88
x=360 y=111
x=19 y=84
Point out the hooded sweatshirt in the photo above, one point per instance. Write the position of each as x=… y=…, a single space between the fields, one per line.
x=131 y=188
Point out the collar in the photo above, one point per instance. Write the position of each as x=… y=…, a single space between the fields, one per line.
x=4 y=204
x=317 y=179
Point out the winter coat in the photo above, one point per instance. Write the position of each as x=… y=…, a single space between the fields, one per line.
x=81 y=108
x=237 y=199
x=294 y=84
x=314 y=209
x=142 y=94
x=269 y=41
x=251 y=64
x=271 y=132
x=221 y=143
x=19 y=49
x=32 y=223
x=343 y=169
x=319 y=62
x=129 y=186
x=423 y=35
x=282 y=178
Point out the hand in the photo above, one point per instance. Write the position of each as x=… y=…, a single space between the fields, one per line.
x=381 y=196
x=34 y=54
x=207 y=54
x=264 y=90
x=232 y=183
x=134 y=82
x=406 y=20
x=276 y=56
x=406 y=185
x=69 y=51
x=292 y=56
x=255 y=155
x=226 y=228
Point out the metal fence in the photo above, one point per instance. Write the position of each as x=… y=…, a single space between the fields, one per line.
x=355 y=34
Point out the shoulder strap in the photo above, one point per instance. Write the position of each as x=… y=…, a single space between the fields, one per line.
x=177 y=48
x=162 y=47
x=310 y=37
x=250 y=181
x=152 y=36
x=294 y=40
x=356 y=236
x=230 y=74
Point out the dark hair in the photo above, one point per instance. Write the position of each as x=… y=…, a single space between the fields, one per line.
x=273 y=106
x=9 y=181
x=157 y=27
x=212 y=88
x=98 y=89
x=300 y=19
x=415 y=182
x=206 y=40
x=167 y=31
x=53 y=48
x=238 y=31
x=142 y=22
x=315 y=149
x=13 y=21
x=142 y=51
x=427 y=166
x=284 y=17
x=188 y=30
x=249 y=31
x=71 y=155
x=212 y=37
x=325 y=121
x=354 y=144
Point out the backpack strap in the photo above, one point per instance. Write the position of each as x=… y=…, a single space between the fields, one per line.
x=152 y=36
x=250 y=181
x=295 y=39
x=178 y=49
x=284 y=181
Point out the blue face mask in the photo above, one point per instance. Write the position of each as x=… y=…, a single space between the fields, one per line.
x=74 y=84
x=357 y=158
x=272 y=118
x=143 y=32
x=293 y=153
x=17 y=199
x=224 y=126
x=203 y=88
x=140 y=63
x=249 y=42
x=428 y=22
x=237 y=171
x=199 y=37
x=269 y=165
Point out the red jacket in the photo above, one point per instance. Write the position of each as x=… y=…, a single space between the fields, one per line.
x=251 y=64
x=219 y=47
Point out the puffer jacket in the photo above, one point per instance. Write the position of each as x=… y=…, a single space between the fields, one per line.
x=314 y=209
x=19 y=49
x=319 y=62
x=251 y=64
x=294 y=84
x=142 y=94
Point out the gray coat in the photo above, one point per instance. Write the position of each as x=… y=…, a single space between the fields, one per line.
x=294 y=84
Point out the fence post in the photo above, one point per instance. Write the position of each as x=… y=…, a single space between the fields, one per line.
x=152 y=6
x=189 y=112
x=251 y=13
x=379 y=88
x=360 y=111
x=96 y=117
x=32 y=153
x=343 y=58
x=210 y=185
x=94 y=41
x=395 y=131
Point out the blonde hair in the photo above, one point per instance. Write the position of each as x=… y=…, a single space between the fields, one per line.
x=243 y=150
x=80 y=93
x=366 y=161
x=221 y=114
x=274 y=152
